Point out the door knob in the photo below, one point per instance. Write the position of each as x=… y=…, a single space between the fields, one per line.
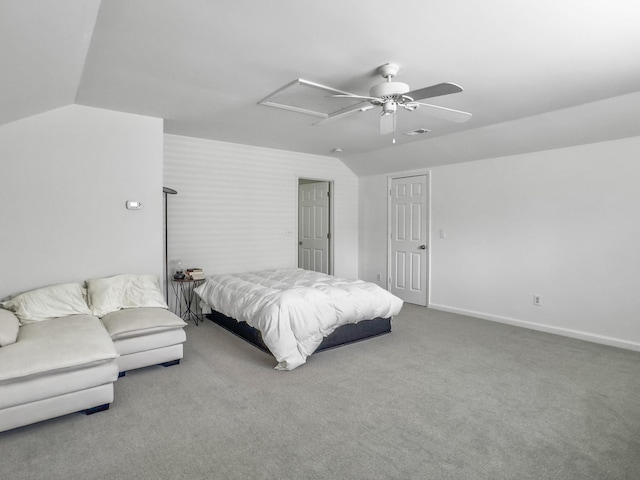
x=422 y=247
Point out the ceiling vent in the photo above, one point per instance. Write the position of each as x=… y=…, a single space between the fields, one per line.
x=311 y=98
x=419 y=131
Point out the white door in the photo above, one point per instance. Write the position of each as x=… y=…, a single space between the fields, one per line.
x=313 y=226
x=408 y=239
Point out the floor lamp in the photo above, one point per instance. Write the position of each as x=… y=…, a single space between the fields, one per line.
x=166 y=191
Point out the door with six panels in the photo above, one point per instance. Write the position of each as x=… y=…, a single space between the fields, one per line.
x=313 y=226
x=408 y=246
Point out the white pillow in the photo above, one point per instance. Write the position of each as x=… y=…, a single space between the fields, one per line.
x=111 y=294
x=49 y=302
x=9 y=325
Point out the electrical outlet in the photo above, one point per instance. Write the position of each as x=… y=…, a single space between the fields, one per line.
x=537 y=300
x=379 y=276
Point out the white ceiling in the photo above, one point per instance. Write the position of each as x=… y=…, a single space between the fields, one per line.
x=536 y=75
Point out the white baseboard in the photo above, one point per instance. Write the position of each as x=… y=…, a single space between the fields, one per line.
x=566 y=332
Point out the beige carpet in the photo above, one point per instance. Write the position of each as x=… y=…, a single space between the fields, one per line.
x=442 y=397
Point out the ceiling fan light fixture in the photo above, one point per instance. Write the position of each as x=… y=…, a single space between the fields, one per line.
x=389 y=107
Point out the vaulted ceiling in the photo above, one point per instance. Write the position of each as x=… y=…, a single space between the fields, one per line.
x=536 y=75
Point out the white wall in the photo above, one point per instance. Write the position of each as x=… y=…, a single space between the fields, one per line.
x=561 y=223
x=236 y=207
x=67 y=174
x=374 y=195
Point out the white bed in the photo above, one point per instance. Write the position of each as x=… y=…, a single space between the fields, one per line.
x=295 y=309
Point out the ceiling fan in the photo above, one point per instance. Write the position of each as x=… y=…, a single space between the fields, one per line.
x=390 y=95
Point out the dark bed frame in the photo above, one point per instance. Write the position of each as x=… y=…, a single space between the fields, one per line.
x=350 y=333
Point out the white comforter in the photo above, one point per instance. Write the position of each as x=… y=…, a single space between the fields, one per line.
x=295 y=309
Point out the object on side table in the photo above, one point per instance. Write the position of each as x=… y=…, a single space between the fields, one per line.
x=195 y=273
x=179 y=275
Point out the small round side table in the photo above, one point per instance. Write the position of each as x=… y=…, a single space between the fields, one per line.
x=187 y=306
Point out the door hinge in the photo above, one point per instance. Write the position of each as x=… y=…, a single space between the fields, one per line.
x=329 y=235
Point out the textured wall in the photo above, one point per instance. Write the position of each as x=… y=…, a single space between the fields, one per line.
x=236 y=207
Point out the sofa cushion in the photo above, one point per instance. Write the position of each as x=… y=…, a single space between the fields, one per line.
x=111 y=294
x=9 y=325
x=150 y=341
x=49 y=302
x=34 y=388
x=133 y=322
x=55 y=345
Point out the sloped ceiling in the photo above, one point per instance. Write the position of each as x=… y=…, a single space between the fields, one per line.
x=43 y=48
x=536 y=75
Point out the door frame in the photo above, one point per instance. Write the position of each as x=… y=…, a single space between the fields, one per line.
x=304 y=179
x=390 y=180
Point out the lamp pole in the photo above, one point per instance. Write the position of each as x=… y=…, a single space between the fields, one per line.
x=166 y=191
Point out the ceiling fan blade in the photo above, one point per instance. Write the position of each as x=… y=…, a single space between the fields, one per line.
x=361 y=97
x=345 y=113
x=434 y=91
x=445 y=113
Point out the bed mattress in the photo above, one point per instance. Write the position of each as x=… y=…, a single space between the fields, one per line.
x=295 y=309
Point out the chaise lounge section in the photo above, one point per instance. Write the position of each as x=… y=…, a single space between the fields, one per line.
x=60 y=366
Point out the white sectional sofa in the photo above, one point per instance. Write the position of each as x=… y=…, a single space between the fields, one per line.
x=62 y=347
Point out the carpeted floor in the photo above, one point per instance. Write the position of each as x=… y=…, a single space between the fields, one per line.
x=442 y=397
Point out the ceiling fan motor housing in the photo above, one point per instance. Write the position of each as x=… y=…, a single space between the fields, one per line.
x=389 y=90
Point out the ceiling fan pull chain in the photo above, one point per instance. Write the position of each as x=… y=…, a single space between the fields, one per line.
x=394 y=127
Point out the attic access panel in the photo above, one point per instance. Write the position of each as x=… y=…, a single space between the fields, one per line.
x=311 y=98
